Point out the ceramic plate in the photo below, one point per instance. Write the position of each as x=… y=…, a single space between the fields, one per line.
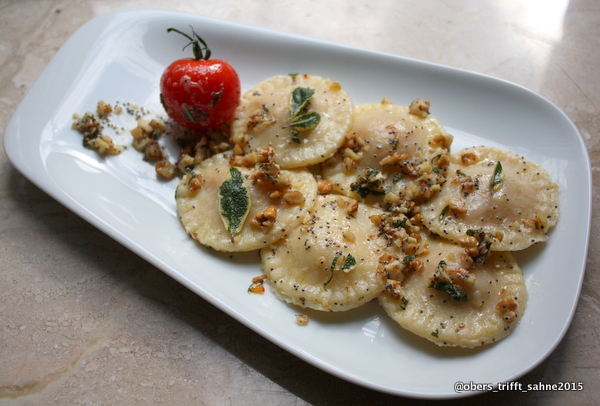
x=121 y=55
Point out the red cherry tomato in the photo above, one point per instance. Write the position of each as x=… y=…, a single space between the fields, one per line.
x=200 y=93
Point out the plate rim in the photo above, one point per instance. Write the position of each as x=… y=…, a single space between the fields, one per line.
x=10 y=144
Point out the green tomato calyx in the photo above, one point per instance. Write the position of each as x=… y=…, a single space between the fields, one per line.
x=201 y=50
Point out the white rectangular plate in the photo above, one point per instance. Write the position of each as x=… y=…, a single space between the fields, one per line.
x=121 y=55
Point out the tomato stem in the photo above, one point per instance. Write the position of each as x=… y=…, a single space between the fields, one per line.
x=201 y=52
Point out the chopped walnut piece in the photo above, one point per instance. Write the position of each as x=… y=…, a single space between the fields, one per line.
x=324 y=187
x=467 y=183
x=91 y=128
x=419 y=107
x=259 y=279
x=477 y=244
x=266 y=218
x=386 y=258
x=271 y=169
x=507 y=309
x=265 y=155
x=158 y=125
x=394 y=287
x=293 y=197
x=195 y=183
x=461 y=277
x=444 y=160
x=416 y=265
x=104 y=145
x=349 y=164
x=424 y=193
x=184 y=162
x=258 y=121
x=153 y=151
x=394 y=158
x=302 y=319
x=352 y=208
x=244 y=160
x=354 y=142
x=469 y=158
x=166 y=169
x=417 y=219
x=377 y=219
x=468 y=241
x=145 y=137
x=441 y=140
x=458 y=205
x=409 y=170
x=349 y=235
x=411 y=248
x=103 y=109
x=349 y=153
x=137 y=133
x=237 y=149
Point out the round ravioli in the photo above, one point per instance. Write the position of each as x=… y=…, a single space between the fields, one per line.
x=452 y=306
x=303 y=118
x=275 y=207
x=331 y=262
x=498 y=192
x=390 y=148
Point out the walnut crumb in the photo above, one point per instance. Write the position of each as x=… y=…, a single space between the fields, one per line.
x=302 y=319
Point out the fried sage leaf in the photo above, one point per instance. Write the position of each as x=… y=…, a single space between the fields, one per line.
x=306 y=121
x=301 y=120
x=234 y=202
x=497 y=178
x=299 y=100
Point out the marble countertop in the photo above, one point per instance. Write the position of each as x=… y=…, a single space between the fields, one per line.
x=79 y=327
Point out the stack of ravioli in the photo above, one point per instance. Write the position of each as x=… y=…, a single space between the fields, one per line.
x=349 y=203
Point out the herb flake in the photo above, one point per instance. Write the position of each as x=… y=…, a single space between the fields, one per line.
x=350 y=263
x=444 y=212
x=452 y=289
x=333 y=263
x=404 y=303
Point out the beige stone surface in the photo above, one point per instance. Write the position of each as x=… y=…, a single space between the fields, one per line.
x=81 y=328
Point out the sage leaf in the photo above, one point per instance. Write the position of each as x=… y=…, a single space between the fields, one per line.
x=299 y=100
x=234 y=202
x=496 y=178
x=306 y=121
